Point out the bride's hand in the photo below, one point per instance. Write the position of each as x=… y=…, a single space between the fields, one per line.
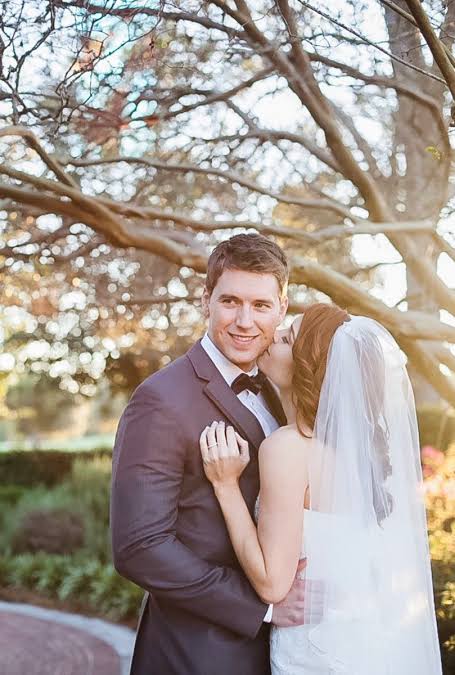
x=225 y=454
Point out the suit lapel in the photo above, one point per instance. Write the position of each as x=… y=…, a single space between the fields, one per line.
x=224 y=398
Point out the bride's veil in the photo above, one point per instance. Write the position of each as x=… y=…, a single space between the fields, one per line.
x=369 y=601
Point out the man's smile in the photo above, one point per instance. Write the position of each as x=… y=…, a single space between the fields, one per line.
x=242 y=339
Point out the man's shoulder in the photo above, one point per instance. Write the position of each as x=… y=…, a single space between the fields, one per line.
x=168 y=372
x=170 y=381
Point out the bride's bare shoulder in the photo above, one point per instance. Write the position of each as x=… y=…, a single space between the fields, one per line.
x=286 y=440
x=283 y=455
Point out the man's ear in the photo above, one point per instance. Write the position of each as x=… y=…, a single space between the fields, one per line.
x=205 y=303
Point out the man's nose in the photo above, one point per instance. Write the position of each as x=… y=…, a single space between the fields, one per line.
x=245 y=317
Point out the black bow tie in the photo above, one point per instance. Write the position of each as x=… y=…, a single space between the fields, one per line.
x=244 y=381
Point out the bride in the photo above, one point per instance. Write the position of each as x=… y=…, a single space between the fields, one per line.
x=340 y=487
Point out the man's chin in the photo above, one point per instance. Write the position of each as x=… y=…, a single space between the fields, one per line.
x=242 y=359
x=244 y=365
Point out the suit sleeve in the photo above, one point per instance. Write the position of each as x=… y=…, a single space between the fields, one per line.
x=148 y=466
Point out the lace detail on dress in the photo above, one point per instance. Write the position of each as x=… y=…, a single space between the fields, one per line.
x=291 y=649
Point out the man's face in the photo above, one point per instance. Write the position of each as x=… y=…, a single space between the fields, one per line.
x=244 y=311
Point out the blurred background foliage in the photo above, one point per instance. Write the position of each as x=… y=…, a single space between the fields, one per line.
x=439 y=470
x=55 y=540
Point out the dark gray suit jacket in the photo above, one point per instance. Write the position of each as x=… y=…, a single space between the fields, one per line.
x=168 y=534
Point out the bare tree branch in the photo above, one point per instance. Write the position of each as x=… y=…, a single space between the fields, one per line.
x=435 y=45
x=304 y=271
x=121 y=234
x=161 y=300
x=403 y=62
x=349 y=294
x=147 y=213
x=444 y=246
x=34 y=143
x=388 y=82
x=304 y=85
x=406 y=15
x=428 y=366
x=327 y=204
x=134 y=12
x=216 y=97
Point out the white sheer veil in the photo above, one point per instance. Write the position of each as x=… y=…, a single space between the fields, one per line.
x=368 y=564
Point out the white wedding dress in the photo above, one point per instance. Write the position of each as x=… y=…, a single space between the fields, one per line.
x=296 y=650
x=353 y=639
x=368 y=603
x=291 y=650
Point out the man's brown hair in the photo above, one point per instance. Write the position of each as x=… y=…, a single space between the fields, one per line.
x=249 y=253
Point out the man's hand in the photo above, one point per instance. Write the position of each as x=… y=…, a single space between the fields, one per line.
x=291 y=610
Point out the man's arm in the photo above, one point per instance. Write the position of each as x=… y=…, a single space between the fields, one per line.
x=148 y=467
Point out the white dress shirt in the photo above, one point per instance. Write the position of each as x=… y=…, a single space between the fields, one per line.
x=255 y=403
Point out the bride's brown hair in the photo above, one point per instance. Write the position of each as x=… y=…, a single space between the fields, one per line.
x=310 y=350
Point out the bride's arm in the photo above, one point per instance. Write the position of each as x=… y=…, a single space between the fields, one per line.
x=270 y=554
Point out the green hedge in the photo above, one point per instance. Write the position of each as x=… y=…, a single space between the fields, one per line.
x=83 y=494
x=85 y=578
x=42 y=467
x=86 y=582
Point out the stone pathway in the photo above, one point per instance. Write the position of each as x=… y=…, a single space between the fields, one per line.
x=37 y=641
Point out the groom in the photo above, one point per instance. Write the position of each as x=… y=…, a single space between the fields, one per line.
x=201 y=615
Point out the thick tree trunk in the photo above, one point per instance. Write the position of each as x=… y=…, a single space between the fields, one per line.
x=419 y=183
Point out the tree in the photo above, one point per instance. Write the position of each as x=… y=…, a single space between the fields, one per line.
x=158 y=135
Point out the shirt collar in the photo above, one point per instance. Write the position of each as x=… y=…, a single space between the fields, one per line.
x=228 y=370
